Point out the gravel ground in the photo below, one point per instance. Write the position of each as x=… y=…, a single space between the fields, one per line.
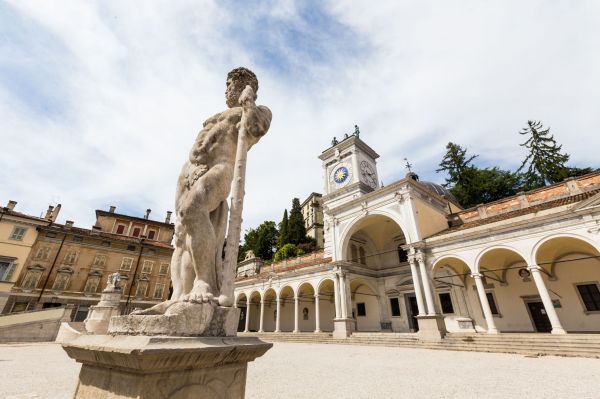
x=343 y=371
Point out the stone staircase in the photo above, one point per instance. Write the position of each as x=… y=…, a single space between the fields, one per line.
x=578 y=345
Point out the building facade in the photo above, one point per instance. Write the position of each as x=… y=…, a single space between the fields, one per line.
x=18 y=233
x=312 y=212
x=406 y=258
x=70 y=265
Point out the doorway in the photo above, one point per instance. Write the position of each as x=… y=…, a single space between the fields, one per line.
x=539 y=316
x=412 y=311
x=242 y=322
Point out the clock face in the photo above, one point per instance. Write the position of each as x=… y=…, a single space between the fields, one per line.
x=341 y=175
x=368 y=173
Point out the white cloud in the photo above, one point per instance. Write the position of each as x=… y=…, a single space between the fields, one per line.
x=137 y=79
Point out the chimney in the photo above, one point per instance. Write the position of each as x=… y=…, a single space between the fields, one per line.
x=147 y=213
x=11 y=205
x=112 y=208
x=69 y=224
x=55 y=213
x=49 y=213
x=168 y=218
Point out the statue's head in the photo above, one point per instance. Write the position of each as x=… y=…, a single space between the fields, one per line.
x=237 y=80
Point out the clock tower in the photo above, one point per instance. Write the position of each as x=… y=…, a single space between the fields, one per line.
x=350 y=169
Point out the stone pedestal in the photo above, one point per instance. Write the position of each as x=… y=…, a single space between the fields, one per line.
x=144 y=367
x=342 y=328
x=431 y=327
x=100 y=314
x=183 y=319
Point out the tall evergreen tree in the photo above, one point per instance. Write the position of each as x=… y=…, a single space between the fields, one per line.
x=455 y=163
x=545 y=164
x=284 y=236
x=296 y=228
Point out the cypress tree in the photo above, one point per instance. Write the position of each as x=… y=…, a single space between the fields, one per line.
x=296 y=228
x=283 y=237
x=545 y=164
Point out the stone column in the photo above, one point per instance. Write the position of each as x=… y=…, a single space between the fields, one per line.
x=426 y=286
x=548 y=305
x=485 y=305
x=262 y=315
x=296 y=304
x=343 y=298
x=417 y=284
x=278 y=318
x=317 y=314
x=248 y=305
x=336 y=295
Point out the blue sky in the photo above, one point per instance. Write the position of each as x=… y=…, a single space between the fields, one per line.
x=101 y=101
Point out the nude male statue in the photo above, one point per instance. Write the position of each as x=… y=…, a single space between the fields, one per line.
x=202 y=190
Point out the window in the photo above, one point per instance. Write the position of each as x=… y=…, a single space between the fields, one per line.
x=151 y=234
x=159 y=290
x=131 y=247
x=19 y=307
x=50 y=234
x=363 y=258
x=18 y=233
x=492 y=302
x=590 y=296
x=82 y=312
x=106 y=243
x=354 y=253
x=32 y=277
x=91 y=285
x=402 y=255
x=147 y=266
x=395 y=306
x=446 y=302
x=78 y=238
x=164 y=269
x=151 y=252
x=70 y=257
x=142 y=287
x=136 y=232
x=361 y=309
x=126 y=264
x=100 y=261
x=7 y=267
x=62 y=280
x=42 y=253
x=120 y=229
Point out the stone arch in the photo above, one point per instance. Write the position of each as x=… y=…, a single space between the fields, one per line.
x=286 y=296
x=253 y=309
x=361 y=222
x=326 y=291
x=507 y=251
x=241 y=302
x=306 y=306
x=593 y=248
x=270 y=309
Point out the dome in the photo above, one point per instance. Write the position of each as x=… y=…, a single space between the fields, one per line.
x=435 y=188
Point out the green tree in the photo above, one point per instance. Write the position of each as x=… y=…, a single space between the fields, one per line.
x=455 y=163
x=283 y=237
x=544 y=164
x=296 y=228
x=261 y=240
x=287 y=251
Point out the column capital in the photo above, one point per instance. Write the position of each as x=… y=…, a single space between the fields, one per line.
x=534 y=267
x=317 y=295
x=476 y=275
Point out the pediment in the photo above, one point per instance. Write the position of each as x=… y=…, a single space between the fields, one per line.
x=592 y=202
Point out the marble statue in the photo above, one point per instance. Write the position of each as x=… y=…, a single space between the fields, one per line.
x=217 y=158
x=113 y=282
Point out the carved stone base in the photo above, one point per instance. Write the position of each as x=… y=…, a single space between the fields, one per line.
x=431 y=327
x=100 y=314
x=183 y=319
x=119 y=367
x=342 y=328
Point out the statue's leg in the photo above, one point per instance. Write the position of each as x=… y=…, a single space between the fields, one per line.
x=201 y=242
x=219 y=220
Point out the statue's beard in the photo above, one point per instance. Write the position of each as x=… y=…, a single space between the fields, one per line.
x=232 y=99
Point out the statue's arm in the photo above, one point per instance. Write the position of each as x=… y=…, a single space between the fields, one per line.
x=258 y=118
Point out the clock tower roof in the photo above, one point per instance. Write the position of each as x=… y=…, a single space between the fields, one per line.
x=345 y=144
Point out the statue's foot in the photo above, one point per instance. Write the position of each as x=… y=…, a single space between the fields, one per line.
x=160 y=308
x=200 y=293
x=225 y=300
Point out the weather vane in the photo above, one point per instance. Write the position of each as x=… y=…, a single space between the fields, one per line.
x=408 y=165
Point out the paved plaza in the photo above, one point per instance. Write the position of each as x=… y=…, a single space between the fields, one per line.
x=343 y=371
